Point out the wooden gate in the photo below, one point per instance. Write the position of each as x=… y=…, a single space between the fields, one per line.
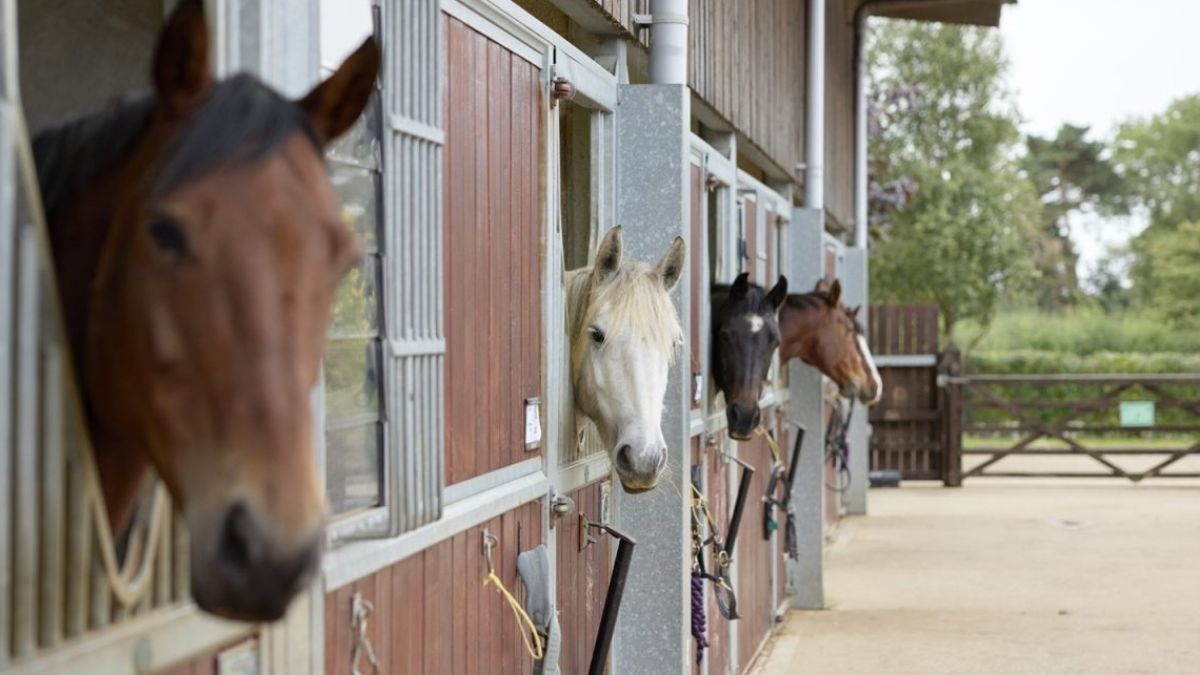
x=912 y=425
x=1134 y=426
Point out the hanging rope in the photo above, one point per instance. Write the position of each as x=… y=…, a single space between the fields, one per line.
x=699 y=619
x=529 y=633
x=129 y=582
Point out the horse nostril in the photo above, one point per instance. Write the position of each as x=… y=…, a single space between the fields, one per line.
x=662 y=460
x=624 y=461
x=236 y=538
x=755 y=417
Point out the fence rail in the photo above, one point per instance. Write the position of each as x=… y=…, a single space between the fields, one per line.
x=1015 y=409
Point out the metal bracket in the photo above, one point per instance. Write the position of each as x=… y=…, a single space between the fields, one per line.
x=560 y=505
x=585 y=537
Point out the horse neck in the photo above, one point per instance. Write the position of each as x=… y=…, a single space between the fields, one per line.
x=84 y=231
x=798 y=327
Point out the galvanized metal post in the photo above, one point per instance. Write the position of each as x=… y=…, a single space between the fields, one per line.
x=805 y=407
x=652 y=206
x=854 y=292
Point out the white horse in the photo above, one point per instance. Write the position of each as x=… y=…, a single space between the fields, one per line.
x=624 y=336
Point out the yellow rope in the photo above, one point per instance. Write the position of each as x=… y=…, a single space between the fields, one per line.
x=699 y=500
x=130 y=582
x=772 y=444
x=535 y=649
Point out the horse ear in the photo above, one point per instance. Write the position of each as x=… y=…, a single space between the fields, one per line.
x=333 y=105
x=821 y=286
x=779 y=293
x=608 y=256
x=741 y=285
x=181 y=71
x=670 y=268
x=854 y=312
x=835 y=293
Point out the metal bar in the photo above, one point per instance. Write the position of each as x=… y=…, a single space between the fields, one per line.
x=8 y=208
x=735 y=520
x=905 y=360
x=52 y=507
x=612 y=601
x=25 y=472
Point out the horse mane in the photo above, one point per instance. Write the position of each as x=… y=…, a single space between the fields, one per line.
x=818 y=300
x=634 y=298
x=240 y=121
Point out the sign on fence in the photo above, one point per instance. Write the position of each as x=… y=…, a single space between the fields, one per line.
x=1137 y=413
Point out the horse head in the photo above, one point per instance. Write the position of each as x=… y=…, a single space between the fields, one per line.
x=201 y=332
x=624 y=336
x=818 y=330
x=745 y=334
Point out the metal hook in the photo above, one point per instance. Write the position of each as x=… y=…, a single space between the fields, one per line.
x=490 y=541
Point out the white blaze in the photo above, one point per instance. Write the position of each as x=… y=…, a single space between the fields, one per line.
x=866 y=352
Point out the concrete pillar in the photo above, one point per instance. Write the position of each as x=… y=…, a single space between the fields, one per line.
x=653 y=631
x=805 y=260
x=854 y=292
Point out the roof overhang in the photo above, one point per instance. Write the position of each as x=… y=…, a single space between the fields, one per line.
x=967 y=12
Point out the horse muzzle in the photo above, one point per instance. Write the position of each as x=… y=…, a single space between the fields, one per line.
x=743 y=420
x=639 y=472
x=241 y=575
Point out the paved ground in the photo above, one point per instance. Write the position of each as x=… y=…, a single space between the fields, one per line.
x=1096 y=577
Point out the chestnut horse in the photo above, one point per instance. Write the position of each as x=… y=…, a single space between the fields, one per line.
x=198 y=243
x=816 y=328
x=624 y=334
x=745 y=334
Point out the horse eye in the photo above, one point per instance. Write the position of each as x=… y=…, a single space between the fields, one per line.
x=597 y=335
x=168 y=236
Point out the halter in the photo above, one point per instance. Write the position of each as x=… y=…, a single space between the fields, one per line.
x=837 y=449
x=781 y=475
x=721 y=555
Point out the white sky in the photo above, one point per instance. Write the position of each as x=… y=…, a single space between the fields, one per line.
x=1100 y=62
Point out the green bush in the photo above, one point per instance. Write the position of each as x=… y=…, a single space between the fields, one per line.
x=1082 y=332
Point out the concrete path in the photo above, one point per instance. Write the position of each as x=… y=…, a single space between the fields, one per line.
x=1095 y=577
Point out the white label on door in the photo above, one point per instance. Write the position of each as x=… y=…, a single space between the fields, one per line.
x=533 y=422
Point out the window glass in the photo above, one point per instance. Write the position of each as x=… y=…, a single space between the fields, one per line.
x=354 y=414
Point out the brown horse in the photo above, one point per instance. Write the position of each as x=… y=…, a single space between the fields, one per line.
x=745 y=334
x=818 y=330
x=198 y=243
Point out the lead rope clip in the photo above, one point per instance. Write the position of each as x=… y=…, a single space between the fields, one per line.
x=360 y=610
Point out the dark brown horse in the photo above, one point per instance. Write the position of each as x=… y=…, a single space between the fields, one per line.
x=820 y=331
x=198 y=243
x=745 y=334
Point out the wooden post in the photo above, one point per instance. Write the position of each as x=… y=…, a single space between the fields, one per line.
x=950 y=404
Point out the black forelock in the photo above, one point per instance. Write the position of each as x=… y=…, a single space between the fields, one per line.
x=241 y=121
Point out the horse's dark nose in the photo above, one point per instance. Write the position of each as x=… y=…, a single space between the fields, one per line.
x=246 y=577
x=743 y=420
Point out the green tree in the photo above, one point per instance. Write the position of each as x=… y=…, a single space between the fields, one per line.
x=1068 y=172
x=1173 y=280
x=953 y=212
x=1159 y=160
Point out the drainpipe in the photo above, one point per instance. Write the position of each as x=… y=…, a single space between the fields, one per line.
x=814 y=179
x=668 y=41
x=860 y=134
